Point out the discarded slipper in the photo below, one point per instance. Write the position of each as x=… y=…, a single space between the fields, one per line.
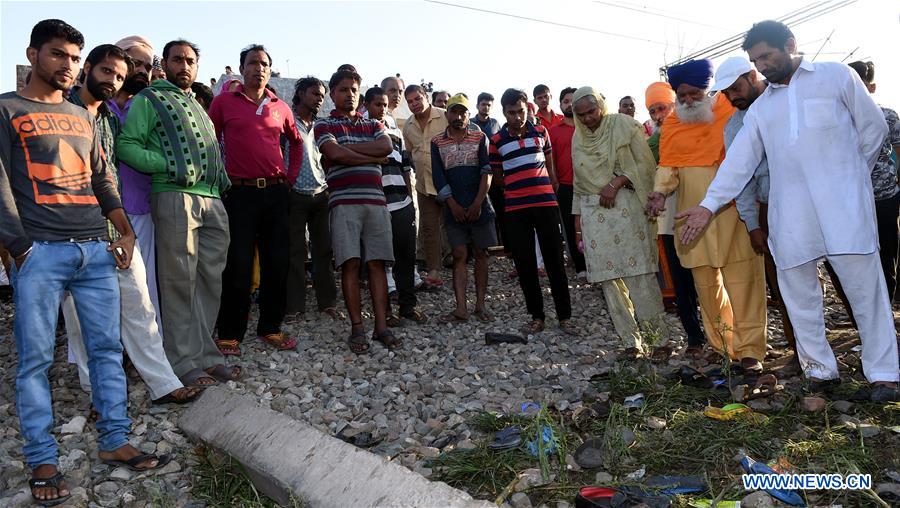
x=362 y=439
x=790 y=497
x=727 y=412
x=594 y=497
x=675 y=485
x=689 y=376
x=496 y=338
x=590 y=454
x=507 y=439
x=444 y=441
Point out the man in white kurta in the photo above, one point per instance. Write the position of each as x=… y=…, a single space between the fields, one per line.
x=821 y=133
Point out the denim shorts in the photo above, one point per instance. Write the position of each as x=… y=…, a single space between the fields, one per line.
x=480 y=234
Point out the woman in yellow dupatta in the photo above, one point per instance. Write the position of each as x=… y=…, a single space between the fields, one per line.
x=613 y=171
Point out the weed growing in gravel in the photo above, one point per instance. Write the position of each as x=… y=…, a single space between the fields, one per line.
x=691 y=443
x=223 y=482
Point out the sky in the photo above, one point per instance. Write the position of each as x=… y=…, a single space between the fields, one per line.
x=468 y=46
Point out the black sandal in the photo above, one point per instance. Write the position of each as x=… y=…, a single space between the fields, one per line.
x=132 y=463
x=357 y=341
x=52 y=482
x=415 y=316
x=388 y=339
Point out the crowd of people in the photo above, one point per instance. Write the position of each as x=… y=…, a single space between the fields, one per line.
x=142 y=206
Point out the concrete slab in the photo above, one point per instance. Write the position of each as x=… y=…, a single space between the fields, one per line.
x=290 y=460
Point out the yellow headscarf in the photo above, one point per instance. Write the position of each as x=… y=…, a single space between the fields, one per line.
x=617 y=147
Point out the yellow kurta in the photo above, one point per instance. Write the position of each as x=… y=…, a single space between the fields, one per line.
x=725 y=240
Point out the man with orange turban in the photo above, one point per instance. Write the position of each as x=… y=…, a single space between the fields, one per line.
x=728 y=274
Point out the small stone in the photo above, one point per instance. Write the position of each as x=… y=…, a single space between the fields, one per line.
x=636 y=475
x=758 y=499
x=812 y=405
x=603 y=478
x=171 y=467
x=147 y=447
x=868 y=430
x=163 y=448
x=466 y=444
x=848 y=420
x=75 y=425
x=120 y=473
x=520 y=500
x=655 y=422
x=843 y=406
x=106 y=490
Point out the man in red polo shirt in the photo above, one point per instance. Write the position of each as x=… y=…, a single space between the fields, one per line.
x=250 y=121
x=561 y=140
x=542 y=98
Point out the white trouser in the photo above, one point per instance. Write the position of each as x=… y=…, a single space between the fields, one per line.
x=140 y=333
x=863 y=282
x=146 y=238
x=392 y=286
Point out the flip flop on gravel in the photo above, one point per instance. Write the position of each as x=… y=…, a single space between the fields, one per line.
x=358 y=342
x=132 y=463
x=181 y=395
x=453 y=318
x=279 y=341
x=193 y=377
x=415 y=316
x=535 y=326
x=483 y=315
x=393 y=320
x=568 y=327
x=225 y=374
x=388 y=339
x=229 y=347
x=52 y=483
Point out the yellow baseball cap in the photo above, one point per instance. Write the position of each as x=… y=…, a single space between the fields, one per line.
x=459 y=99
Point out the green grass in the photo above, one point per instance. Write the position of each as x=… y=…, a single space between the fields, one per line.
x=223 y=482
x=692 y=444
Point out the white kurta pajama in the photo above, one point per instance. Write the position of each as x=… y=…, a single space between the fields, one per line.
x=821 y=133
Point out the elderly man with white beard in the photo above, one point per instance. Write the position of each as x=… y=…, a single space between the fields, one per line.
x=728 y=275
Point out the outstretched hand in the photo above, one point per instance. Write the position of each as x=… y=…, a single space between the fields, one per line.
x=697 y=218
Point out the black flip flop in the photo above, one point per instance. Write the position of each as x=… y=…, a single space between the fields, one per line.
x=506 y=439
x=53 y=482
x=131 y=464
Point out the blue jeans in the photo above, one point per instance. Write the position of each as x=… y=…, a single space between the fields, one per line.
x=88 y=271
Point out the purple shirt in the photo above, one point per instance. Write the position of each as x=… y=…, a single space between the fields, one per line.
x=135 y=186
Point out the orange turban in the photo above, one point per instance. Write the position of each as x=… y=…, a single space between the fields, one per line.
x=660 y=92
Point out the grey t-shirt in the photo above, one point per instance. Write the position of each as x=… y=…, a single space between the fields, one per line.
x=55 y=182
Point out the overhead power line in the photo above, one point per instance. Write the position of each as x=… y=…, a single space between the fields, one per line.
x=793 y=18
x=544 y=21
x=647 y=12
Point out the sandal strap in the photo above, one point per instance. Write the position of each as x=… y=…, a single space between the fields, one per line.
x=53 y=481
x=134 y=461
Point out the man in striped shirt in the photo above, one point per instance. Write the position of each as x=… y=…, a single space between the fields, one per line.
x=354 y=149
x=521 y=157
x=395 y=179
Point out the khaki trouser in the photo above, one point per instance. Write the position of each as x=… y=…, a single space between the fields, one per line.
x=733 y=304
x=192 y=245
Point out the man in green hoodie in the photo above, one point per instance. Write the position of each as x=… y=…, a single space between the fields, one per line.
x=168 y=135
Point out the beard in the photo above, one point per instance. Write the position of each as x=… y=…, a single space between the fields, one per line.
x=698 y=112
x=568 y=113
x=100 y=91
x=135 y=83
